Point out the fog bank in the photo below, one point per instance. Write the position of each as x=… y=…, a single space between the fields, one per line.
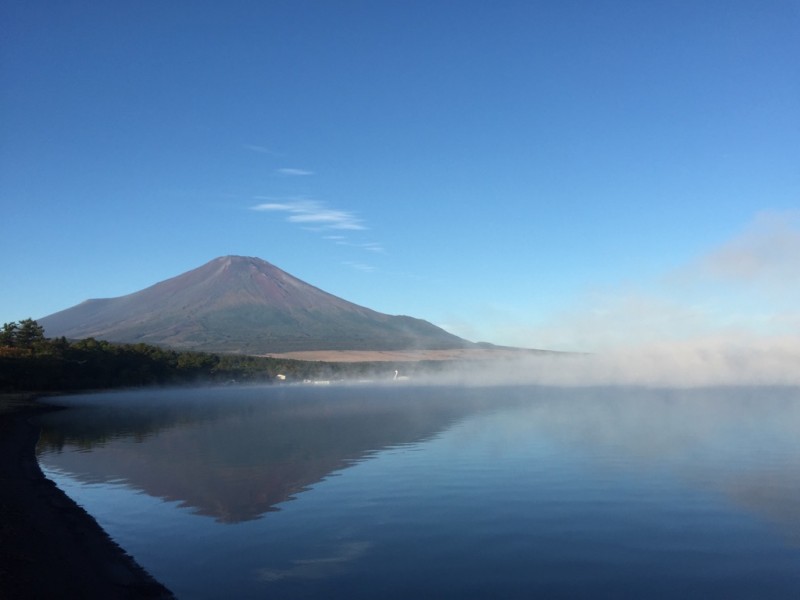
x=711 y=362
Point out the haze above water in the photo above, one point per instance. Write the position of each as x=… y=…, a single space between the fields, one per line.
x=399 y=491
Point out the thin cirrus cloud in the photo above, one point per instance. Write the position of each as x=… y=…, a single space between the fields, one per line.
x=359 y=266
x=313 y=214
x=260 y=149
x=290 y=172
x=341 y=240
x=372 y=247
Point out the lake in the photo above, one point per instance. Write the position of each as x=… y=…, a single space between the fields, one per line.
x=406 y=491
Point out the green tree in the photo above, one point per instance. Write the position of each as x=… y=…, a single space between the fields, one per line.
x=29 y=334
x=8 y=335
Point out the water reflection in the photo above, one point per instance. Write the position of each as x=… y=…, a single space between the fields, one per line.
x=234 y=454
x=512 y=492
x=740 y=442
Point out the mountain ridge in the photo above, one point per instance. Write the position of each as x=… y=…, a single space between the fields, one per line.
x=246 y=305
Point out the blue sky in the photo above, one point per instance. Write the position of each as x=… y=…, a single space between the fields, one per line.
x=561 y=174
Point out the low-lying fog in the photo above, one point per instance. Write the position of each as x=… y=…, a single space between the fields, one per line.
x=690 y=364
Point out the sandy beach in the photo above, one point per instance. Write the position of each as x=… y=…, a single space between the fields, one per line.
x=49 y=546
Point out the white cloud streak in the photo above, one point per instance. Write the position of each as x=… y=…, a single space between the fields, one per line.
x=373 y=247
x=314 y=214
x=340 y=240
x=290 y=172
x=260 y=149
x=766 y=252
x=359 y=266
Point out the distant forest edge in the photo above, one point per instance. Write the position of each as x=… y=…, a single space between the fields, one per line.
x=31 y=362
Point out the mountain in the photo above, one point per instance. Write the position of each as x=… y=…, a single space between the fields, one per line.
x=247 y=305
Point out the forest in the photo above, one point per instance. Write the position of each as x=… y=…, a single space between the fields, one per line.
x=31 y=362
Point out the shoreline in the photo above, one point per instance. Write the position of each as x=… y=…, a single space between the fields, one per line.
x=49 y=546
x=443 y=356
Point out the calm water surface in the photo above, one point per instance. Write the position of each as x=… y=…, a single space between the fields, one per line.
x=433 y=492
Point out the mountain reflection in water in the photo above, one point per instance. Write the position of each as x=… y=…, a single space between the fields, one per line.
x=405 y=491
x=235 y=453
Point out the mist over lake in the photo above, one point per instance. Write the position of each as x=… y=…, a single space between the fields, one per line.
x=399 y=491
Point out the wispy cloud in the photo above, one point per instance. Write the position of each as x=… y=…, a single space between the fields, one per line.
x=341 y=240
x=767 y=252
x=745 y=290
x=260 y=149
x=290 y=172
x=359 y=266
x=314 y=214
x=623 y=317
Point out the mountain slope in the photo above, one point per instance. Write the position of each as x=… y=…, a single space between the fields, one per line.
x=242 y=304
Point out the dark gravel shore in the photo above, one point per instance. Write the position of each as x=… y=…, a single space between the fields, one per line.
x=49 y=546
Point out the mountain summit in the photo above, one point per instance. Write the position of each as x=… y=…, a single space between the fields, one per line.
x=243 y=304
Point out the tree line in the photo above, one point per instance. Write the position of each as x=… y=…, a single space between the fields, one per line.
x=29 y=361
